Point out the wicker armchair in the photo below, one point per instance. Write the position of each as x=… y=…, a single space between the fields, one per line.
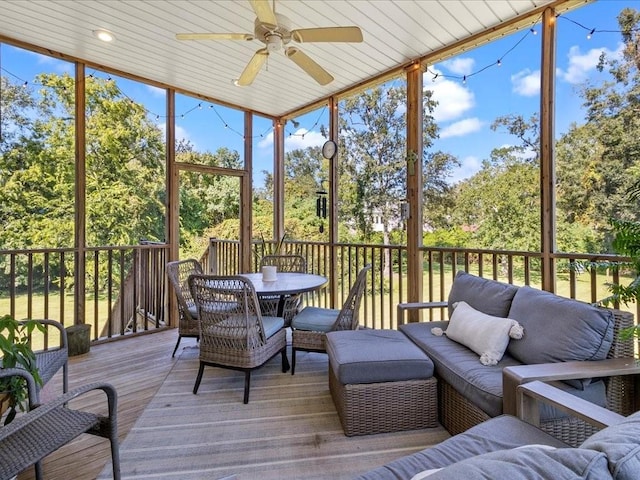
x=290 y=305
x=178 y=273
x=311 y=325
x=52 y=359
x=233 y=332
x=47 y=427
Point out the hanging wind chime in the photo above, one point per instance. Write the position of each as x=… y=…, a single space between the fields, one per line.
x=321 y=207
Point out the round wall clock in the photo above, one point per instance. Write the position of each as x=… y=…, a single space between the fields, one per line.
x=329 y=149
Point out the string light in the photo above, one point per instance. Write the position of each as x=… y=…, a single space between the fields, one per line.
x=436 y=75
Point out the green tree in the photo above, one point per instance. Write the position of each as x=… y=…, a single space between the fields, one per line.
x=373 y=160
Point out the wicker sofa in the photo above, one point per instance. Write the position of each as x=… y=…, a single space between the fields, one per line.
x=559 y=335
x=512 y=447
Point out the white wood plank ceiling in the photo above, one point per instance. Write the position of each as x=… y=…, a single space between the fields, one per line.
x=395 y=32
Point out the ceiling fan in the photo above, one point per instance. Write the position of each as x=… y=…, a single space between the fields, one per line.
x=274 y=30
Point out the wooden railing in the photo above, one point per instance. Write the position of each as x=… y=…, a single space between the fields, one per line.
x=387 y=284
x=125 y=287
x=126 y=291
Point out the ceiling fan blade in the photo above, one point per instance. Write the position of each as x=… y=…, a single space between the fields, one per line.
x=253 y=67
x=264 y=12
x=214 y=36
x=305 y=62
x=327 y=34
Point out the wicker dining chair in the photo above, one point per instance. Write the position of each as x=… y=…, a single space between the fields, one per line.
x=233 y=332
x=290 y=304
x=178 y=273
x=311 y=325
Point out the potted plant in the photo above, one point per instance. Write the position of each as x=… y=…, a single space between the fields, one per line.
x=16 y=353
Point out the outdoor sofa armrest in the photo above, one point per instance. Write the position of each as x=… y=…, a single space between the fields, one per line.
x=514 y=376
x=412 y=306
x=531 y=394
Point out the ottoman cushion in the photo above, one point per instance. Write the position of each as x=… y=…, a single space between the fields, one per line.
x=372 y=356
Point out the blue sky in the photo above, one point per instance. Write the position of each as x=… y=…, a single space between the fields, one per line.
x=465 y=111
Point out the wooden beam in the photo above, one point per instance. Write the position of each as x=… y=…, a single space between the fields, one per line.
x=461 y=46
x=80 y=235
x=415 y=116
x=246 y=194
x=278 y=179
x=130 y=76
x=547 y=151
x=173 y=199
x=333 y=199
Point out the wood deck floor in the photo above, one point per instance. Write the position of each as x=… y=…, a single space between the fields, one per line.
x=143 y=373
x=136 y=367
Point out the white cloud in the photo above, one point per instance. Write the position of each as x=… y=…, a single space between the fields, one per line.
x=469 y=166
x=526 y=83
x=181 y=133
x=459 y=66
x=156 y=92
x=453 y=98
x=301 y=139
x=267 y=141
x=580 y=64
x=461 y=128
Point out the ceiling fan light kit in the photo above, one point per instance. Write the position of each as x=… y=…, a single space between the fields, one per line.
x=274 y=30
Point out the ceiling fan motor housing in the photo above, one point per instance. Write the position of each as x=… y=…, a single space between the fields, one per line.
x=275 y=37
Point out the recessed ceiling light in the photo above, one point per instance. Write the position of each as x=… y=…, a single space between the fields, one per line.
x=104 y=35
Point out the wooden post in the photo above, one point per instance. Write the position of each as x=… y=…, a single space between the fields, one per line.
x=246 y=205
x=278 y=179
x=415 y=117
x=80 y=239
x=333 y=205
x=547 y=151
x=173 y=202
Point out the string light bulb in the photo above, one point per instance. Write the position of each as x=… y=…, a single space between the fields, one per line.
x=499 y=63
x=593 y=30
x=464 y=79
x=534 y=31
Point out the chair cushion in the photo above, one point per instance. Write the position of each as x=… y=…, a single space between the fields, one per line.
x=315 y=319
x=488 y=296
x=558 y=329
x=621 y=444
x=528 y=463
x=486 y=335
x=272 y=325
x=371 y=356
x=500 y=433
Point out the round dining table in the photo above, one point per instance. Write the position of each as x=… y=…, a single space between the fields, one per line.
x=285 y=285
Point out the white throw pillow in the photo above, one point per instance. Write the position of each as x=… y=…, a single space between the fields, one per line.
x=486 y=335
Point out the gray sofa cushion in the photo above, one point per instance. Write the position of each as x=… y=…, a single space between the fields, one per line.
x=558 y=329
x=370 y=356
x=459 y=367
x=530 y=463
x=488 y=296
x=500 y=433
x=621 y=444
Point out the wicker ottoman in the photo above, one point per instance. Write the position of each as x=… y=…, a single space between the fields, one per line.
x=380 y=382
